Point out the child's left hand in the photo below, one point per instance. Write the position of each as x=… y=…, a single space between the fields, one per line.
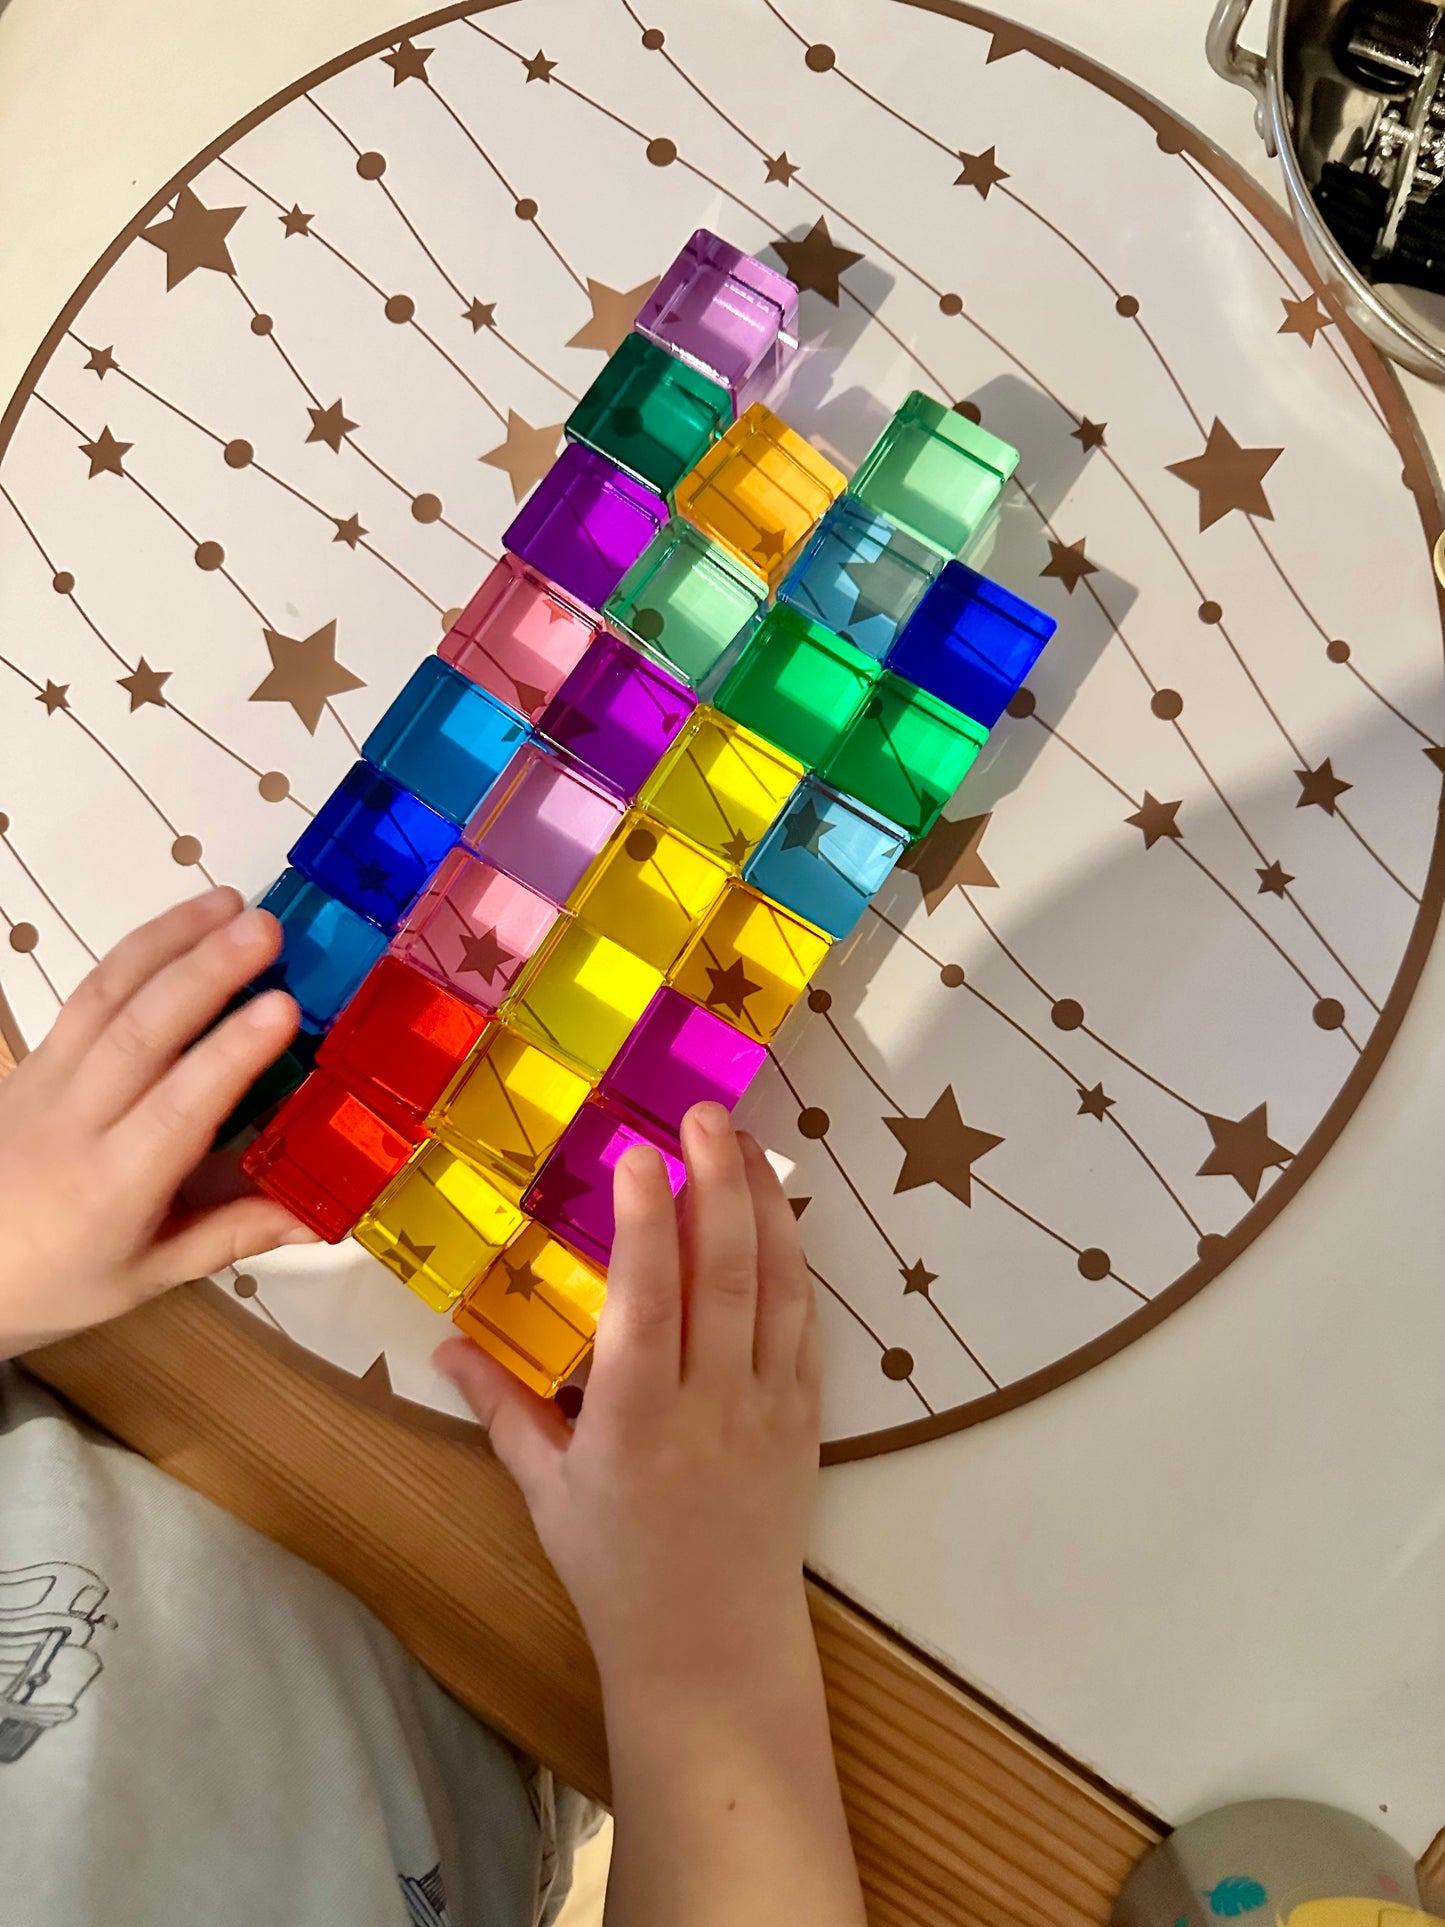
x=102 y=1124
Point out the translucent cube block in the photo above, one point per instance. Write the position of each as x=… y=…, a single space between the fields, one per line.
x=649 y=890
x=535 y=1308
x=750 y=961
x=581 y=996
x=727 y=314
x=680 y=1055
x=905 y=755
x=326 y=948
x=860 y=576
x=686 y=602
x=758 y=492
x=519 y=637
x=438 y=1225
x=721 y=786
x=585 y=524
x=544 y=821
x=373 y=845
x=509 y=1106
x=401 y=1040
x=444 y=739
x=573 y=1195
x=971 y=643
x=651 y=413
x=616 y=714
x=825 y=857
x=935 y=473
x=474 y=930
x=328 y=1155
x=797 y=685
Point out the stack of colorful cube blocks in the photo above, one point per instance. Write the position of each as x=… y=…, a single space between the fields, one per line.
x=596 y=848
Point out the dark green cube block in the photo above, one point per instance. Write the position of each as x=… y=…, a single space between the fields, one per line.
x=651 y=414
x=798 y=685
x=905 y=755
x=686 y=603
x=276 y=1083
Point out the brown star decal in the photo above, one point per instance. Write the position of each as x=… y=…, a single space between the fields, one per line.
x=483 y=954
x=1228 y=477
x=916 y=1277
x=1068 y=563
x=948 y=858
x=1156 y=819
x=100 y=361
x=410 y=1256
x=613 y=312
x=798 y=1206
x=780 y=168
x=769 y=545
x=526 y=454
x=1304 y=318
x=1320 y=788
x=1274 y=880
x=480 y=313
x=193 y=236
x=348 y=530
x=522 y=1281
x=806 y=827
x=104 y=454
x=980 y=171
x=295 y=222
x=372 y=877
x=1436 y=754
x=1089 y=434
x=731 y=987
x=143 y=685
x=736 y=848
x=816 y=261
x=54 y=697
x=1243 y=1150
x=539 y=67
x=407 y=62
x=1094 y=1101
x=330 y=425
x=940 y=1148
x=376 y=1377
x=1006 y=39
x=305 y=673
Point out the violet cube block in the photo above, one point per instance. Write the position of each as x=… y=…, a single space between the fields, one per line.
x=585 y=524
x=573 y=1194
x=726 y=314
x=617 y=713
x=679 y=1055
x=544 y=822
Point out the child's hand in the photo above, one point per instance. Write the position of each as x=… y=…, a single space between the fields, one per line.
x=104 y=1121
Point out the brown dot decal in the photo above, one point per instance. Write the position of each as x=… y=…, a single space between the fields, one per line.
x=371 y=166
x=427 y=508
x=970 y=411
x=820 y=58
x=1022 y=703
x=1329 y=1013
x=245 y=1285
x=1094 y=1264
x=1167 y=704
x=1338 y=651
x=814 y=1122
x=820 y=1001
x=186 y=850
x=1210 y=612
x=641 y=844
x=950 y=303
x=274 y=786
x=239 y=453
x=399 y=307
x=24 y=937
x=62 y=582
x=261 y=324
x=4 y=823
x=209 y=555
x=896 y=1362
x=525 y=210
x=1127 y=305
x=647 y=623
x=951 y=975
x=662 y=153
x=653 y=39
x=1210 y=1246
x=1067 y=1014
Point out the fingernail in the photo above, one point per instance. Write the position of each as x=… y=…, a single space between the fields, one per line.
x=249 y=927
x=643 y=1164
x=266 y=1010
x=216 y=895
x=712 y=1119
x=750 y=1146
x=301 y=1234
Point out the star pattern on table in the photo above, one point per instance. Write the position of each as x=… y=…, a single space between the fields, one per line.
x=144 y=685
x=1274 y=879
x=1304 y=318
x=104 y=454
x=305 y=673
x=526 y=454
x=780 y=168
x=376 y=1377
x=948 y=858
x=1320 y=788
x=981 y=171
x=481 y=314
x=1243 y=1149
x=410 y=1256
x=539 y=67
x=1228 y=477
x=483 y=955
x=348 y=530
x=193 y=236
x=916 y=1277
x=1068 y=564
x=295 y=222
x=939 y=1148
x=54 y=696
x=330 y=425
x=407 y=62
x=798 y=1206
x=1156 y=819
x=805 y=828
x=1094 y=1101
x=100 y=361
x=613 y=312
x=1089 y=434
x=1435 y=752
x=816 y=261
x=731 y=987
x=1008 y=38
x=735 y=849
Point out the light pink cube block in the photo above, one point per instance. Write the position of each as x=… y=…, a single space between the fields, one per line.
x=519 y=637
x=475 y=930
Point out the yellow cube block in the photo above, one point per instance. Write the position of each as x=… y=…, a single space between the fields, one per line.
x=758 y=492
x=507 y=1108
x=721 y=786
x=650 y=889
x=535 y=1309
x=438 y=1225
x=581 y=995
x=750 y=961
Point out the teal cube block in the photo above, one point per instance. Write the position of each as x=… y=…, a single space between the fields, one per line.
x=861 y=576
x=444 y=739
x=825 y=857
x=798 y=685
x=326 y=948
x=905 y=755
x=685 y=603
x=651 y=414
x=935 y=473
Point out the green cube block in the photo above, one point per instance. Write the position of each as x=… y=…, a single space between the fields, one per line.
x=798 y=685
x=935 y=473
x=276 y=1083
x=905 y=755
x=651 y=414
x=686 y=603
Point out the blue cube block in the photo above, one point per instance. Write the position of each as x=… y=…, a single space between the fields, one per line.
x=861 y=576
x=445 y=739
x=373 y=845
x=970 y=643
x=825 y=856
x=326 y=948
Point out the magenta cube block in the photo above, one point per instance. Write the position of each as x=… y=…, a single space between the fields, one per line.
x=520 y=637
x=679 y=1055
x=573 y=1193
x=726 y=314
x=617 y=713
x=544 y=821
x=475 y=930
x=585 y=524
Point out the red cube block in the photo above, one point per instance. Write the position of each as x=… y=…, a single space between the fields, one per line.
x=401 y=1039
x=328 y=1156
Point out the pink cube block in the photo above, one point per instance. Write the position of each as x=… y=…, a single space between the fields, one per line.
x=520 y=637
x=543 y=821
x=475 y=930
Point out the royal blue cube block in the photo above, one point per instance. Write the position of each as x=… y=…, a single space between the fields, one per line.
x=970 y=643
x=445 y=739
x=861 y=576
x=326 y=948
x=825 y=856
x=373 y=845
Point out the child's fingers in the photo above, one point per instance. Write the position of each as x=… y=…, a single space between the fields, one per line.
x=172 y=1007
x=784 y=1288
x=722 y=1250
x=528 y=1433
x=208 y=1240
x=638 y=1357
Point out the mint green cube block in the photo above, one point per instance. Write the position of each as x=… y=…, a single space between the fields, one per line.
x=651 y=414
x=935 y=473
x=685 y=603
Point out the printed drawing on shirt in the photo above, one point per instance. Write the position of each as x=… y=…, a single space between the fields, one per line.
x=426 y=1899
x=49 y=1617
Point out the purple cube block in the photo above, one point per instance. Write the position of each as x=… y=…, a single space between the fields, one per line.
x=573 y=1194
x=617 y=713
x=724 y=313
x=585 y=524
x=679 y=1055
x=543 y=821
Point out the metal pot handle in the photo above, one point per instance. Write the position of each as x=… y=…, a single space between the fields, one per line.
x=1238 y=64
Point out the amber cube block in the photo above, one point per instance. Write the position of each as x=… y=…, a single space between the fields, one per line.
x=750 y=961
x=535 y=1309
x=759 y=491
